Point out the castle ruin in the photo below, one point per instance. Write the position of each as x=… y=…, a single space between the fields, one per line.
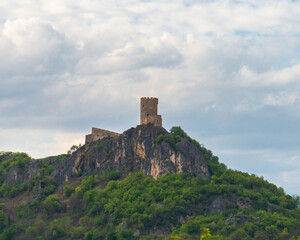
x=98 y=133
x=149 y=111
x=148 y=115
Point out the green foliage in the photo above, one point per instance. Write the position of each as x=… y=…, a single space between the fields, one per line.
x=140 y=202
x=171 y=138
x=68 y=190
x=48 y=185
x=44 y=182
x=26 y=211
x=57 y=228
x=9 y=233
x=16 y=189
x=74 y=148
x=4 y=189
x=9 y=160
x=215 y=167
x=206 y=234
x=112 y=175
x=32 y=232
x=88 y=183
x=159 y=138
x=79 y=173
x=78 y=232
x=147 y=203
x=60 y=158
x=3 y=220
x=51 y=204
x=46 y=167
x=105 y=207
x=91 y=235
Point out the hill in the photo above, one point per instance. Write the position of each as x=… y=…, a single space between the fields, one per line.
x=146 y=183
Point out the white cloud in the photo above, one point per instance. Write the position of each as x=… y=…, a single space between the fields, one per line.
x=155 y=52
x=248 y=77
x=282 y=99
x=31 y=47
x=38 y=143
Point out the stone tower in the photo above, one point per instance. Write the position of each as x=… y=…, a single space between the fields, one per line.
x=149 y=111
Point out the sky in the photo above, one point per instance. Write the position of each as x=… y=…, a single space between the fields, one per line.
x=226 y=71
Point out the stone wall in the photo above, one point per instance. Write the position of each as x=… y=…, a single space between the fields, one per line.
x=98 y=133
x=149 y=112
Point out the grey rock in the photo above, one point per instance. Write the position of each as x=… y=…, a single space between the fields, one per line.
x=134 y=150
x=18 y=176
x=220 y=204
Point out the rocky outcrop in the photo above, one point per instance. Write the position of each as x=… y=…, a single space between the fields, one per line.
x=221 y=204
x=18 y=176
x=134 y=150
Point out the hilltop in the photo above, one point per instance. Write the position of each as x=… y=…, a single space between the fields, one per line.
x=146 y=183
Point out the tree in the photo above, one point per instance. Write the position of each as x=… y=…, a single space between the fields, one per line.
x=206 y=234
x=51 y=204
x=74 y=148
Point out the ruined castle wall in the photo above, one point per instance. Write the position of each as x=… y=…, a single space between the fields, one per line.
x=156 y=120
x=98 y=133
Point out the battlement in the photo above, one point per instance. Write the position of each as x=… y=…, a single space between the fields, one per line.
x=149 y=111
x=149 y=98
x=98 y=133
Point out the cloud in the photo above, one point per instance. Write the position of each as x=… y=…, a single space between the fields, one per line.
x=33 y=47
x=147 y=53
x=272 y=77
x=38 y=143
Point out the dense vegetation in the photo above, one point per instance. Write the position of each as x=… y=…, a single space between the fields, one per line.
x=232 y=205
x=9 y=160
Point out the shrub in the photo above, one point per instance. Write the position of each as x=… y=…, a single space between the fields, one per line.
x=56 y=230
x=31 y=231
x=68 y=190
x=112 y=235
x=126 y=234
x=60 y=158
x=87 y=183
x=79 y=191
x=51 y=204
x=77 y=232
x=9 y=233
x=159 y=138
x=3 y=218
x=48 y=190
x=112 y=175
x=23 y=211
x=4 y=189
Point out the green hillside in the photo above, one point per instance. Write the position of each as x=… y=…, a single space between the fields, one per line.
x=231 y=205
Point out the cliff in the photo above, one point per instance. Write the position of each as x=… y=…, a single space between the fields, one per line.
x=137 y=149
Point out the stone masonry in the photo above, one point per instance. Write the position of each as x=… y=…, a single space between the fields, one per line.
x=148 y=115
x=149 y=111
x=98 y=133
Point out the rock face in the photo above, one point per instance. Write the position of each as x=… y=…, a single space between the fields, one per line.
x=18 y=176
x=134 y=150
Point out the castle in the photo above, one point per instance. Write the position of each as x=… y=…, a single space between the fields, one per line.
x=149 y=112
x=98 y=133
x=148 y=115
